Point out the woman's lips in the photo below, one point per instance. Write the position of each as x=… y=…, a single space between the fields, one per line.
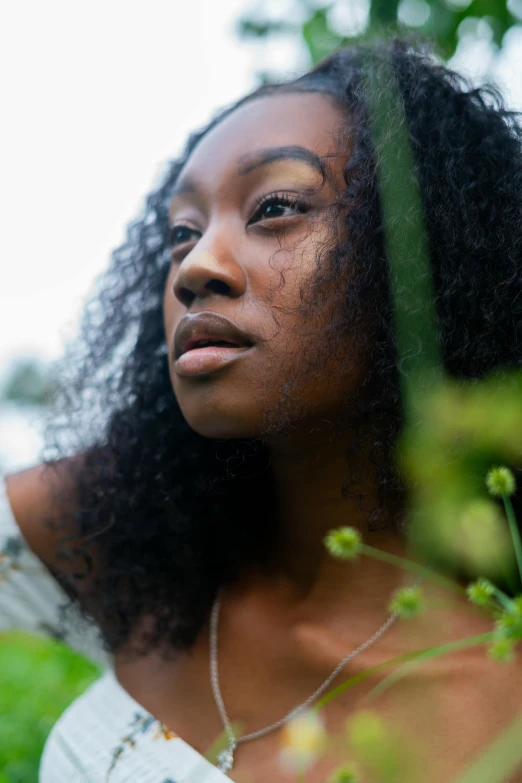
x=200 y=361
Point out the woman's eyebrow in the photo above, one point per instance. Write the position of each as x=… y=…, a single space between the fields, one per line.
x=252 y=160
x=263 y=157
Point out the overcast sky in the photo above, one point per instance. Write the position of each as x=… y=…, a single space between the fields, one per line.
x=94 y=97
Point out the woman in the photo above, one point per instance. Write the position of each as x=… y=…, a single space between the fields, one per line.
x=256 y=409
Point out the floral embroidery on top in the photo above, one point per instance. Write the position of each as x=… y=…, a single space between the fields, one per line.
x=140 y=725
x=55 y=633
x=10 y=556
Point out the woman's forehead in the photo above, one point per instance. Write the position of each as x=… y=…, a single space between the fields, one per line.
x=308 y=120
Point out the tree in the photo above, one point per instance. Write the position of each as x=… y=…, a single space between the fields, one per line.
x=28 y=383
x=325 y=26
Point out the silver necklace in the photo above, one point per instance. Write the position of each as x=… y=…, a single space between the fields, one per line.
x=226 y=758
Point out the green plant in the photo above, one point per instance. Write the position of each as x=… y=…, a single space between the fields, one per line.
x=39 y=678
x=325 y=26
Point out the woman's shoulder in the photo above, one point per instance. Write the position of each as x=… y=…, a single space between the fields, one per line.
x=31 y=598
x=107 y=735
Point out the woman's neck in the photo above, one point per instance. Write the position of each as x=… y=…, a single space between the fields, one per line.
x=309 y=474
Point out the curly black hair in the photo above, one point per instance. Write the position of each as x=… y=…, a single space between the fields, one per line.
x=158 y=511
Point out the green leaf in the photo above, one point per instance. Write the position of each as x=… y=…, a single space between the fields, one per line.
x=383 y=13
x=39 y=678
x=319 y=38
x=407 y=247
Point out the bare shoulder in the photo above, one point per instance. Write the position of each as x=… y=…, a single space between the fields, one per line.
x=31 y=497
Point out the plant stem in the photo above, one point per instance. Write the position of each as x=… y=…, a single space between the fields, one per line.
x=429 y=652
x=433 y=652
x=503 y=599
x=513 y=528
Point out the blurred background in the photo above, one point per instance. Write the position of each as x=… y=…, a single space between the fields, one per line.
x=95 y=97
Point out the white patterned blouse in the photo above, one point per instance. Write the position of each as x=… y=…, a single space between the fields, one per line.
x=104 y=736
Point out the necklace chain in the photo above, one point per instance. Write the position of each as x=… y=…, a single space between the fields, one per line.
x=226 y=757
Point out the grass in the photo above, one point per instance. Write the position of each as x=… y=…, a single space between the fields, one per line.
x=39 y=678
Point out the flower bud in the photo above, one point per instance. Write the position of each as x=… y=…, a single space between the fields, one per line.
x=480 y=592
x=406 y=602
x=509 y=623
x=344 y=542
x=500 y=481
x=502 y=649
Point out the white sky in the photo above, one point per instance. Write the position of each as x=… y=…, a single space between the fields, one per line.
x=94 y=97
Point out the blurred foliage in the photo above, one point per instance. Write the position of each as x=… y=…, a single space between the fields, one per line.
x=455 y=430
x=325 y=26
x=39 y=678
x=28 y=383
x=462 y=429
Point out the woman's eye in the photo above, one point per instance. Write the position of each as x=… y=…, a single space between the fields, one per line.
x=279 y=205
x=180 y=234
x=275 y=206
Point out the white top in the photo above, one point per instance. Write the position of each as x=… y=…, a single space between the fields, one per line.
x=105 y=735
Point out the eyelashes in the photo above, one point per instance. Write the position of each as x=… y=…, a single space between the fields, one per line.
x=278 y=199
x=180 y=233
x=174 y=234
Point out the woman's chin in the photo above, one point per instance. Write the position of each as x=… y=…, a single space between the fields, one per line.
x=221 y=426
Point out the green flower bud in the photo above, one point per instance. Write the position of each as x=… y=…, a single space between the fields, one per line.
x=509 y=623
x=480 y=592
x=500 y=481
x=406 y=602
x=344 y=542
x=346 y=774
x=502 y=649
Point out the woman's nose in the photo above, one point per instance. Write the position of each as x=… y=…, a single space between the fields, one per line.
x=204 y=272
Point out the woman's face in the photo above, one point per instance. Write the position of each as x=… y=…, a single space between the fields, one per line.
x=248 y=219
